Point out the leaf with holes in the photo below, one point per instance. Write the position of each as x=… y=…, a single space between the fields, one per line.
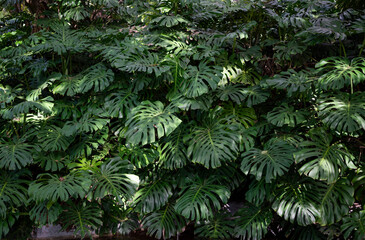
x=343 y=112
x=148 y=121
x=200 y=197
x=151 y=197
x=252 y=222
x=98 y=77
x=320 y=158
x=273 y=161
x=15 y=155
x=109 y=179
x=339 y=72
x=285 y=115
x=165 y=223
x=298 y=200
x=200 y=80
x=212 y=143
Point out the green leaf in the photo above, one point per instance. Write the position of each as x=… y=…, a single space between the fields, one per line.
x=200 y=197
x=109 y=179
x=340 y=72
x=69 y=85
x=13 y=191
x=203 y=102
x=44 y=105
x=200 y=80
x=291 y=81
x=86 y=124
x=152 y=196
x=344 y=112
x=119 y=104
x=238 y=115
x=336 y=200
x=252 y=222
x=233 y=93
x=320 y=158
x=139 y=157
x=169 y=21
x=98 y=77
x=148 y=121
x=259 y=191
x=273 y=161
x=298 y=201
x=212 y=143
x=44 y=214
x=146 y=62
x=173 y=153
x=61 y=39
x=84 y=217
x=354 y=225
x=254 y=95
x=218 y=227
x=165 y=223
x=52 y=139
x=53 y=187
x=15 y=155
x=285 y=115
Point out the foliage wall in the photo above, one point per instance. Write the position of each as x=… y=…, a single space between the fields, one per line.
x=158 y=115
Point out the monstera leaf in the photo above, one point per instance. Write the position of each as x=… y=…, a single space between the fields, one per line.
x=259 y=191
x=212 y=143
x=291 y=81
x=44 y=105
x=61 y=40
x=68 y=85
x=98 y=77
x=83 y=216
x=53 y=139
x=218 y=227
x=199 y=197
x=53 y=187
x=139 y=157
x=173 y=150
x=119 y=104
x=273 y=161
x=203 y=102
x=13 y=192
x=320 y=158
x=234 y=92
x=238 y=114
x=343 y=112
x=148 y=121
x=45 y=213
x=109 y=179
x=252 y=222
x=200 y=80
x=147 y=62
x=354 y=225
x=285 y=115
x=165 y=223
x=15 y=155
x=86 y=124
x=336 y=200
x=298 y=201
x=169 y=21
x=254 y=95
x=340 y=72
x=153 y=196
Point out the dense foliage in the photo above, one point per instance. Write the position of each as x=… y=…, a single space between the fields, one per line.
x=161 y=115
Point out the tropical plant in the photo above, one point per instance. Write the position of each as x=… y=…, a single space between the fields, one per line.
x=218 y=119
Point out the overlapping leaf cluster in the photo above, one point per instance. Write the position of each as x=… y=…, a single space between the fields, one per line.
x=163 y=115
